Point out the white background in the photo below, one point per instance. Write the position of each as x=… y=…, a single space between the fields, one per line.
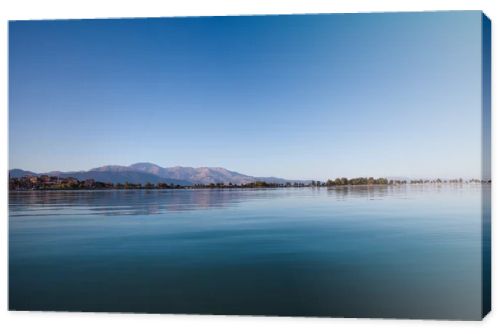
x=51 y=322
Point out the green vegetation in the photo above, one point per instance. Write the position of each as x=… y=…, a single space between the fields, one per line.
x=356 y=181
x=46 y=182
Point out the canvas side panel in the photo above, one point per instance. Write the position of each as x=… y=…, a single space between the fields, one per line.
x=486 y=164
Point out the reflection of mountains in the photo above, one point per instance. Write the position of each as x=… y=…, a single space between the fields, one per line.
x=142 y=202
x=130 y=202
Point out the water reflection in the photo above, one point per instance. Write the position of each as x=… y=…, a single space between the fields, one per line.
x=130 y=202
x=373 y=251
x=401 y=191
x=150 y=202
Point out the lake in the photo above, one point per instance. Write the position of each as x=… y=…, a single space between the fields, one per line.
x=381 y=251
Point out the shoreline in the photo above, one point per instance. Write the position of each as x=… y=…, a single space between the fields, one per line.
x=48 y=182
x=483 y=183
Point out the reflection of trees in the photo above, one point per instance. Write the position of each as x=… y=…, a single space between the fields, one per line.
x=380 y=191
x=370 y=192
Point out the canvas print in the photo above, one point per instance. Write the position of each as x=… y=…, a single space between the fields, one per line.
x=330 y=165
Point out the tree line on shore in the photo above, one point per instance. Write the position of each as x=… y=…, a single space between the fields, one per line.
x=46 y=182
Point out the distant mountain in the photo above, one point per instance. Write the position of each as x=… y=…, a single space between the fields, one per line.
x=147 y=172
x=206 y=175
x=199 y=175
x=20 y=172
x=280 y=180
x=121 y=177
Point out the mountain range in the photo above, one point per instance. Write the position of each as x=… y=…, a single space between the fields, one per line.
x=145 y=172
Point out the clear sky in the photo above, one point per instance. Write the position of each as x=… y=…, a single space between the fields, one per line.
x=316 y=96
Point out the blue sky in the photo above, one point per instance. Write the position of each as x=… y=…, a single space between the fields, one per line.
x=316 y=96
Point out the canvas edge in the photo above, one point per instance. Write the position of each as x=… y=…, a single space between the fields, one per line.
x=485 y=164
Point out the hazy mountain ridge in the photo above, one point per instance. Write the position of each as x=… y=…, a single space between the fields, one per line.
x=144 y=172
x=16 y=172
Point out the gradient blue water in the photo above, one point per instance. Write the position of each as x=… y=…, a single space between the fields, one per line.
x=410 y=251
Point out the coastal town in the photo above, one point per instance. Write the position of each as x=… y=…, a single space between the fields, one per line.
x=48 y=182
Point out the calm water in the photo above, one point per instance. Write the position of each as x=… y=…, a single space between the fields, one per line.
x=410 y=251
